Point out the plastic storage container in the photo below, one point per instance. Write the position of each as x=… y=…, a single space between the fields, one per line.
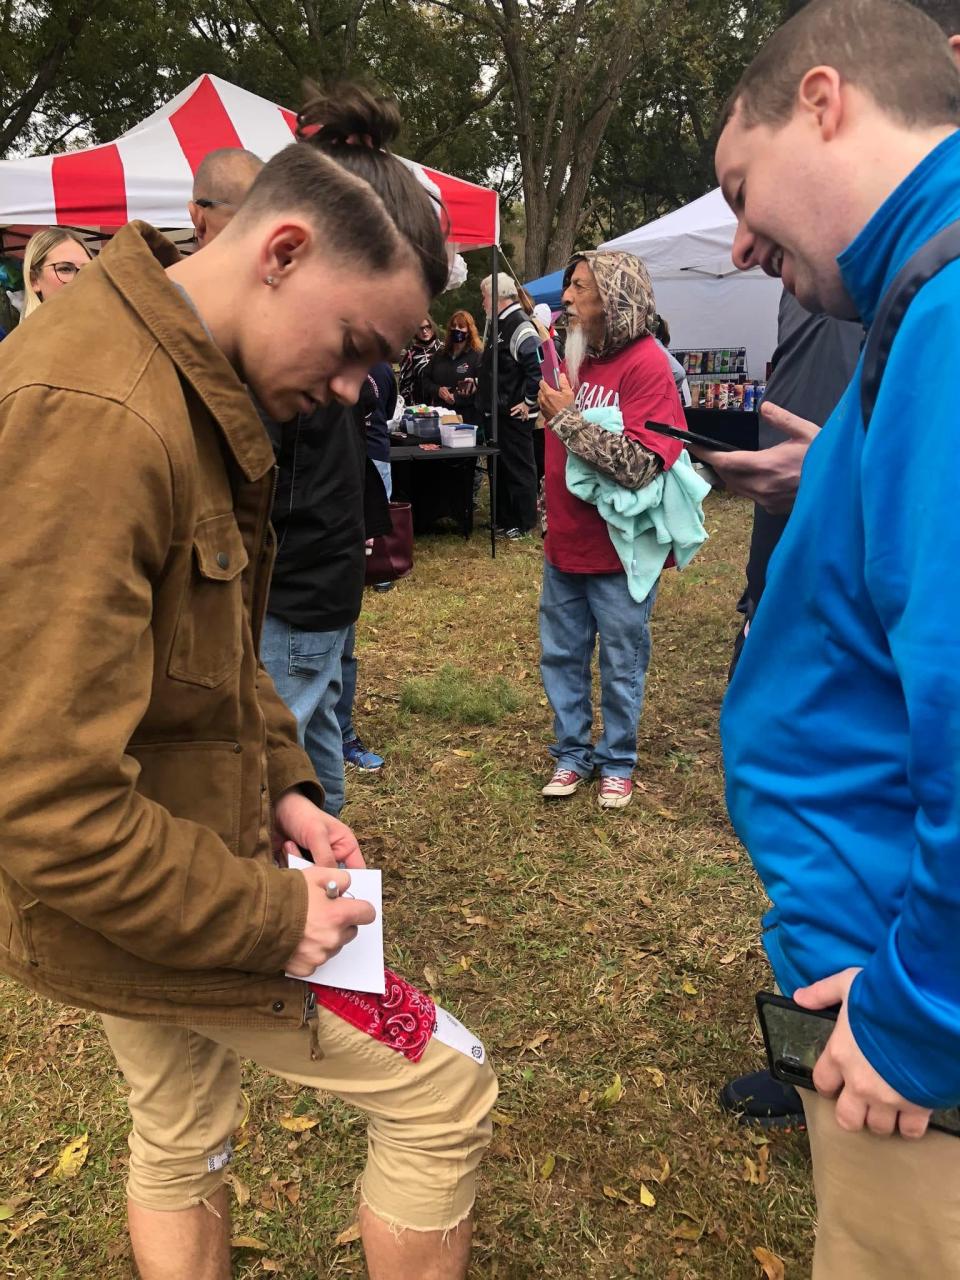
x=456 y=435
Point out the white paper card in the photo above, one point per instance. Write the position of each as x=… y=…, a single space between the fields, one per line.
x=453 y=1033
x=359 y=965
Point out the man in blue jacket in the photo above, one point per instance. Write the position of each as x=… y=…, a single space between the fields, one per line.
x=840 y=156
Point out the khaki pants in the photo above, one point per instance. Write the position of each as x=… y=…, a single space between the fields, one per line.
x=887 y=1209
x=428 y=1122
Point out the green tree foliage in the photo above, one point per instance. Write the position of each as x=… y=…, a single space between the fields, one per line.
x=588 y=115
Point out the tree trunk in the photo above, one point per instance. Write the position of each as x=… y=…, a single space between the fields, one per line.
x=19 y=113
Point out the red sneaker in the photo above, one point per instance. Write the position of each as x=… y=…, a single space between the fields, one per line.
x=563 y=783
x=615 y=793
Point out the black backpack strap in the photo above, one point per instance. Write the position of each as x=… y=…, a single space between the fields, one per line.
x=928 y=261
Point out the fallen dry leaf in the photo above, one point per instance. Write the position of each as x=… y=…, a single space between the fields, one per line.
x=298 y=1124
x=537 y=1041
x=583 y=1097
x=612 y=1094
x=548 y=1166
x=647 y=1197
x=688 y=988
x=613 y=1194
x=268 y=1264
x=240 y=1189
x=73 y=1157
x=249 y=1242
x=501 y=1118
x=750 y=1173
x=657 y=1078
x=349 y=1235
x=687 y=1231
x=9 y=1207
x=430 y=974
x=772 y=1266
x=483 y=921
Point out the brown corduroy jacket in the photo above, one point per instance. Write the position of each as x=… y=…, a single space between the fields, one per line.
x=140 y=740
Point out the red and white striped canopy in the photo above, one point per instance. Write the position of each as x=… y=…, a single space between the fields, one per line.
x=148 y=173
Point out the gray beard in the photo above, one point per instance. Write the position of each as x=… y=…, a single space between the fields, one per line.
x=574 y=354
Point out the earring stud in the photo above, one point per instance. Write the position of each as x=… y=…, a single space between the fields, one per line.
x=270 y=280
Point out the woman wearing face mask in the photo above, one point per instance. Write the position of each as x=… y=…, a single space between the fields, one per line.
x=451 y=376
x=51 y=260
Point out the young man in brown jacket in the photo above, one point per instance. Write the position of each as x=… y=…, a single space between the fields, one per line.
x=150 y=770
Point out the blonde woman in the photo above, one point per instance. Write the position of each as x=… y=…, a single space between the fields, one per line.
x=51 y=260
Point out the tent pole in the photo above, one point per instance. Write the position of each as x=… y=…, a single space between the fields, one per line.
x=494 y=424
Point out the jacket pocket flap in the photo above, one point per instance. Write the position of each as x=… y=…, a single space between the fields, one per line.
x=219 y=548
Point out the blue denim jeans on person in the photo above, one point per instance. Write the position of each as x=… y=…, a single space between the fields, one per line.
x=574 y=609
x=348 y=687
x=305 y=667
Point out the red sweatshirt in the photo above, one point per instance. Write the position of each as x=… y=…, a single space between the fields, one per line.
x=638 y=382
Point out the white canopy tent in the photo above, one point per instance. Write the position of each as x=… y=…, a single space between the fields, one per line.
x=705 y=300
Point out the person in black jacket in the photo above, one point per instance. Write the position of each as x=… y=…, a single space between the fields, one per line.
x=329 y=498
x=453 y=374
x=414 y=360
x=518 y=385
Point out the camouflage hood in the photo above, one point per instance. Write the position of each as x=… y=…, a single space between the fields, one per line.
x=629 y=309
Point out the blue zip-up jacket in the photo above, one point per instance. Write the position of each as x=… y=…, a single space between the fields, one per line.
x=841 y=728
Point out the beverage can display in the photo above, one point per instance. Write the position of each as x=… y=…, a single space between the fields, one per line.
x=710 y=362
x=737 y=402
x=760 y=392
x=748 y=398
x=708 y=402
x=722 y=399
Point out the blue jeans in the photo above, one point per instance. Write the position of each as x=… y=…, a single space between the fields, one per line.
x=348 y=687
x=574 y=609
x=385 y=475
x=305 y=667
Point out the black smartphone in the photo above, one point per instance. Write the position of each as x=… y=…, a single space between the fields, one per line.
x=691 y=437
x=794 y=1039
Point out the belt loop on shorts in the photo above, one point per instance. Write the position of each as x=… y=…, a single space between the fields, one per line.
x=312 y=1020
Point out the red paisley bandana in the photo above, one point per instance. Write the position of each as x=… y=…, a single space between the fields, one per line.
x=403 y=1018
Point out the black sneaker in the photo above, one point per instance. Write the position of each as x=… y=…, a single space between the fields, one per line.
x=761 y=1100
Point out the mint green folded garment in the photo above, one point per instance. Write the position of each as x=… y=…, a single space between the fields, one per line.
x=646 y=524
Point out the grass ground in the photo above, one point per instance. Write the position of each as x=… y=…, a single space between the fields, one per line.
x=609 y=961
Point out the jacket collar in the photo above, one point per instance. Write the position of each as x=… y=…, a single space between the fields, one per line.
x=925 y=202
x=134 y=262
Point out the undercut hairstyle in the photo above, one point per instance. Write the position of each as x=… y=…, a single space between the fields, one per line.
x=351 y=126
x=945 y=13
x=886 y=48
x=225 y=175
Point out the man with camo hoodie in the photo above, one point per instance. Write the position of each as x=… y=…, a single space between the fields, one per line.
x=612 y=360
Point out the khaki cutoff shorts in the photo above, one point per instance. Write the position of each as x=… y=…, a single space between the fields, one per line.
x=428 y=1122
x=887 y=1208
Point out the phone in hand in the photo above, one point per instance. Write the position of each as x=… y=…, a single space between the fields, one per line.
x=466 y=386
x=691 y=437
x=550 y=365
x=795 y=1037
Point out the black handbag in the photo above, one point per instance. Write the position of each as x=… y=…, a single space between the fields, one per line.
x=391 y=556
